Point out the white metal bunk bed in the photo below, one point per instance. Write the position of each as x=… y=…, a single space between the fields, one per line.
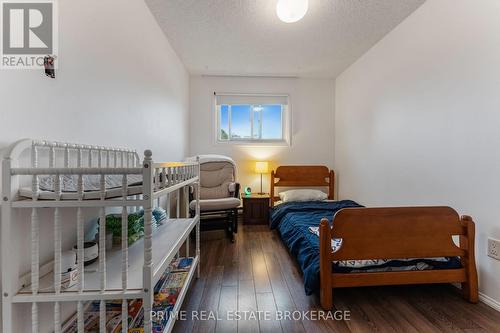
x=135 y=268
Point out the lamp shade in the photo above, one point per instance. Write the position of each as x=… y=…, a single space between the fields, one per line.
x=262 y=167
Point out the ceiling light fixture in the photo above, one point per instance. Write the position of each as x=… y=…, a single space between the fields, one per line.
x=290 y=11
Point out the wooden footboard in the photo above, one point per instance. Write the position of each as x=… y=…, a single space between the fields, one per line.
x=393 y=233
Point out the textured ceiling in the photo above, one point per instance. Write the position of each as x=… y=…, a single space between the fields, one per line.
x=245 y=37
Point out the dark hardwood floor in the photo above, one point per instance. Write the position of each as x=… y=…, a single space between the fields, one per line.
x=257 y=274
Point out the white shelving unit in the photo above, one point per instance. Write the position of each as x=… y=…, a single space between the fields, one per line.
x=125 y=272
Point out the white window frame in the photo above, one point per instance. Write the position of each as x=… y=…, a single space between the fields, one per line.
x=286 y=123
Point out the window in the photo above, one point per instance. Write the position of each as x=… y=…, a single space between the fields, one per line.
x=243 y=118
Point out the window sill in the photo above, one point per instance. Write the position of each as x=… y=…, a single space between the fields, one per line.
x=260 y=143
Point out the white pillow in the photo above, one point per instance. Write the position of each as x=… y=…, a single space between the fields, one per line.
x=303 y=195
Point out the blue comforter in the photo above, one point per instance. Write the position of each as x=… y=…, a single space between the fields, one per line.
x=292 y=219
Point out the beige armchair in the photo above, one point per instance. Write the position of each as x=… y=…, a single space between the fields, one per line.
x=219 y=193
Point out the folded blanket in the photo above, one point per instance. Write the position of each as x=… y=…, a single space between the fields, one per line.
x=336 y=243
x=378 y=265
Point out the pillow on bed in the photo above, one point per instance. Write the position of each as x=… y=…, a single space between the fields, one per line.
x=303 y=195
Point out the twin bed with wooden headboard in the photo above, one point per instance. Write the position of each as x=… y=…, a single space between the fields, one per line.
x=415 y=244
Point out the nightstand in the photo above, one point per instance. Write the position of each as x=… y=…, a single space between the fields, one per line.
x=255 y=208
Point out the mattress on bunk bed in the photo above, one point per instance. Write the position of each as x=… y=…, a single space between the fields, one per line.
x=91 y=185
x=296 y=223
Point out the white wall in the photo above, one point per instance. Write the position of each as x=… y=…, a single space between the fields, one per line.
x=312 y=104
x=119 y=83
x=418 y=117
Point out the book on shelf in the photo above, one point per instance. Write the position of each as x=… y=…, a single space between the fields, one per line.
x=166 y=292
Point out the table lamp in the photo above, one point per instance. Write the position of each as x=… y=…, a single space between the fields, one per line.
x=261 y=167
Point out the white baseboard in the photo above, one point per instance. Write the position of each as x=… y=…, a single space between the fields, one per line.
x=494 y=304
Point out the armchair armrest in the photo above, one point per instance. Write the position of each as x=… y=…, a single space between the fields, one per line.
x=234 y=189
